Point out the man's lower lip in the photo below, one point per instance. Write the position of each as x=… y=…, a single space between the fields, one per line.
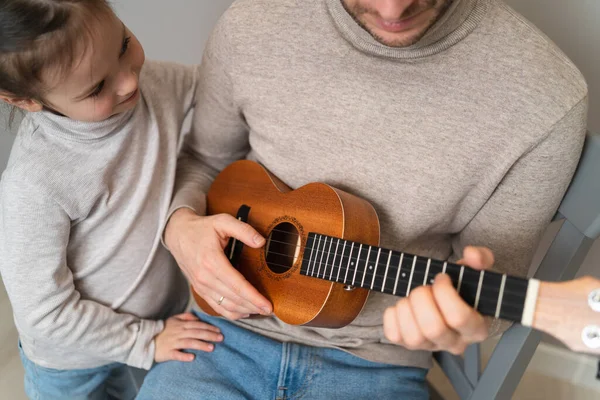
x=397 y=26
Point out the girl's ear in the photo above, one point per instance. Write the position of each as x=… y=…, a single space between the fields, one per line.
x=25 y=104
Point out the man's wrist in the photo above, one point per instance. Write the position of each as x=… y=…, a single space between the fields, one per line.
x=177 y=216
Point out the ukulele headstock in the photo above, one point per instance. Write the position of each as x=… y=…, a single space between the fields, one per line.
x=570 y=312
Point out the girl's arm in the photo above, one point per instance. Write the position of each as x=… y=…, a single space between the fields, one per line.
x=47 y=307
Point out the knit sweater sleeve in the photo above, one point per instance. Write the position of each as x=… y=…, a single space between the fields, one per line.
x=513 y=219
x=47 y=306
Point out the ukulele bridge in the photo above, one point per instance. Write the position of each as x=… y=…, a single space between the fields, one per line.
x=234 y=248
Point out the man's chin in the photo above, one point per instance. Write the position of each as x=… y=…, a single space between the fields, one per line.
x=404 y=39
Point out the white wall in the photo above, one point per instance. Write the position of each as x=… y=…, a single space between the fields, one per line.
x=173 y=30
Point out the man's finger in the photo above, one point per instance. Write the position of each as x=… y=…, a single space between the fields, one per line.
x=230 y=301
x=456 y=312
x=477 y=257
x=391 y=325
x=412 y=337
x=429 y=318
x=228 y=226
x=239 y=286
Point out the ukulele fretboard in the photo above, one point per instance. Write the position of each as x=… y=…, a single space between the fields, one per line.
x=396 y=273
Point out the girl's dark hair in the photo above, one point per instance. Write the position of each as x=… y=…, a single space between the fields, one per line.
x=41 y=37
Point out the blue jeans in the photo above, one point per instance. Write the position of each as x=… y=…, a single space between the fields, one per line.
x=112 y=381
x=247 y=365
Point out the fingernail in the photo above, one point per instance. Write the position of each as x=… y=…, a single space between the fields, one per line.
x=211 y=347
x=246 y=316
x=258 y=239
x=266 y=311
x=220 y=337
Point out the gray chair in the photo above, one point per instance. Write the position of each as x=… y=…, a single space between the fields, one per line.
x=579 y=216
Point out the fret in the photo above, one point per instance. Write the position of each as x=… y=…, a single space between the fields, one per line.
x=322 y=255
x=489 y=293
x=369 y=267
x=367 y=262
x=469 y=288
x=349 y=263
x=499 y=305
x=477 y=296
x=375 y=270
x=314 y=265
x=426 y=271
x=513 y=300
x=337 y=278
x=356 y=264
x=453 y=271
x=326 y=265
x=387 y=267
x=435 y=268
x=412 y=272
x=333 y=261
x=398 y=273
x=388 y=284
x=310 y=241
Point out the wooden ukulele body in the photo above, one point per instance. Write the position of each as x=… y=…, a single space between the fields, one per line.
x=281 y=215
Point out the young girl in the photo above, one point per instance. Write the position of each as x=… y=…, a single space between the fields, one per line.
x=84 y=199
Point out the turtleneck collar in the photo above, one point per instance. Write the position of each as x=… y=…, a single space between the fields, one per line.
x=80 y=131
x=461 y=17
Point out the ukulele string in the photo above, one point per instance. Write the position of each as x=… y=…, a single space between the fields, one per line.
x=483 y=297
x=355 y=260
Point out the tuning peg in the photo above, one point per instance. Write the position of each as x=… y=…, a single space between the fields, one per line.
x=591 y=336
x=594 y=300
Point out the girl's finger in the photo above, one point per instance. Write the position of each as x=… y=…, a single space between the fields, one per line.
x=199 y=325
x=193 y=344
x=177 y=355
x=201 y=334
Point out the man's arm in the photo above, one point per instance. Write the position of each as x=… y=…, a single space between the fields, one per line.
x=517 y=214
x=218 y=137
x=510 y=224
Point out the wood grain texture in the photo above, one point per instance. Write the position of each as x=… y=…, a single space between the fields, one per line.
x=315 y=207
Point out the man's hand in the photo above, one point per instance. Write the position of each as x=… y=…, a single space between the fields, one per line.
x=435 y=317
x=197 y=243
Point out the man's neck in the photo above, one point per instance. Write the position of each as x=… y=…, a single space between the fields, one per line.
x=453 y=25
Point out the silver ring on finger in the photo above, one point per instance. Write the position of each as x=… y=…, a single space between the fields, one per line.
x=220 y=300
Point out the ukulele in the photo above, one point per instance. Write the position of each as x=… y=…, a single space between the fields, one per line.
x=322 y=259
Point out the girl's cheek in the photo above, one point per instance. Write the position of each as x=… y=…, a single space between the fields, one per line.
x=107 y=108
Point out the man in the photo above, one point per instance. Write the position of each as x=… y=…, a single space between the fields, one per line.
x=457 y=120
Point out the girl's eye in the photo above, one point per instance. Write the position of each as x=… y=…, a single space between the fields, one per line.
x=125 y=45
x=98 y=89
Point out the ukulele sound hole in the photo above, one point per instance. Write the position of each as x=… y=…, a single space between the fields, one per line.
x=283 y=248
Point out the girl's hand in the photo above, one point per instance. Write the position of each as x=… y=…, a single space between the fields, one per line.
x=184 y=331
